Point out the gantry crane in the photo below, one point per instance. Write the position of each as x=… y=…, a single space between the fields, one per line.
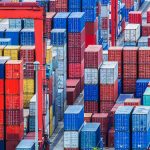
x=32 y=11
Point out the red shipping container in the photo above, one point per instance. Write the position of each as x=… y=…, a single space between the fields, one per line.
x=76 y=54
x=93 y=56
x=149 y=41
x=1 y=132
x=91 y=27
x=87 y=117
x=146 y=29
x=109 y=92
x=144 y=55
x=135 y=17
x=90 y=39
x=111 y=137
x=129 y=85
x=76 y=39
x=129 y=71
x=1 y=117
x=112 y=114
x=148 y=15
x=1 y=102
x=14 y=117
x=30 y=135
x=13 y=86
x=27 y=54
x=91 y=107
x=104 y=23
x=14 y=102
x=130 y=55
x=61 y=5
x=76 y=70
x=115 y=54
x=15 y=132
x=81 y=83
x=105 y=106
x=98 y=9
x=132 y=102
x=2 y=86
x=12 y=144
x=144 y=71
x=74 y=83
x=52 y=6
x=101 y=118
x=71 y=96
x=13 y=69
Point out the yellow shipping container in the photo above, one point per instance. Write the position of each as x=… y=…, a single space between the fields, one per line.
x=12 y=51
x=49 y=54
x=51 y=128
x=51 y=113
x=26 y=99
x=28 y=86
x=1 y=50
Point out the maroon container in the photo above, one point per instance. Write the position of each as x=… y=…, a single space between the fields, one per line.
x=76 y=39
x=105 y=23
x=115 y=54
x=104 y=136
x=93 y=56
x=74 y=83
x=87 y=117
x=29 y=71
x=130 y=70
x=91 y=27
x=91 y=107
x=101 y=118
x=105 y=106
x=52 y=6
x=14 y=117
x=135 y=17
x=76 y=54
x=148 y=15
x=30 y=135
x=81 y=83
x=71 y=96
x=129 y=85
x=146 y=30
x=111 y=137
x=61 y=5
x=109 y=92
x=11 y=144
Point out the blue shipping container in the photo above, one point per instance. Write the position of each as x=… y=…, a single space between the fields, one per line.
x=2 y=33
x=58 y=37
x=74 y=5
x=91 y=92
x=119 y=86
x=14 y=35
x=122 y=140
x=26 y=145
x=141 y=118
x=2 y=145
x=60 y=20
x=5 y=41
x=123 y=118
x=32 y=123
x=74 y=117
x=2 y=68
x=76 y=22
x=123 y=97
x=90 y=136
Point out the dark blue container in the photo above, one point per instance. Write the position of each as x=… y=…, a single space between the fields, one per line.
x=2 y=145
x=14 y=35
x=119 y=86
x=141 y=85
x=141 y=140
x=91 y=92
x=28 y=144
x=74 y=5
x=123 y=118
x=27 y=37
x=49 y=70
x=90 y=136
x=2 y=68
x=122 y=140
x=2 y=33
x=141 y=118
x=73 y=118
x=60 y=20
x=76 y=22
x=123 y=97
x=43 y=3
x=58 y=37
x=88 y=3
x=104 y=2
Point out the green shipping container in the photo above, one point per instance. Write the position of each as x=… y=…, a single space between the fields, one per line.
x=146 y=97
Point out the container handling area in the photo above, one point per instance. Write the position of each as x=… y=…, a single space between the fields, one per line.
x=74 y=74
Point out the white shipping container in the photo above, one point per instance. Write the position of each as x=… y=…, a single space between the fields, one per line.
x=105 y=55
x=62 y=67
x=108 y=72
x=61 y=81
x=132 y=32
x=91 y=76
x=61 y=51
x=104 y=11
x=71 y=139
